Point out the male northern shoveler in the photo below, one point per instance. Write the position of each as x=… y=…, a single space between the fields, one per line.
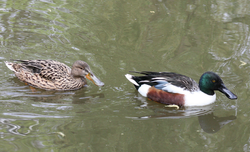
x=53 y=75
x=176 y=89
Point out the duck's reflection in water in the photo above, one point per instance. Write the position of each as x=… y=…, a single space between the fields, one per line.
x=76 y=97
x=52 y=96
x=211 y=123
x=207 y=120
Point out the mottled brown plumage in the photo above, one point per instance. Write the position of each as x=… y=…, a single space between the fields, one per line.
x=53 y=75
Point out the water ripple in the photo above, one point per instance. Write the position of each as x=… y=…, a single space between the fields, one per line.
x=32 y=115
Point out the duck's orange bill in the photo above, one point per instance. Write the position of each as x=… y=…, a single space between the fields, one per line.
x=94 y=79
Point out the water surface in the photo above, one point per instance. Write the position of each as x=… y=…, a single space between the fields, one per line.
x=114 y=37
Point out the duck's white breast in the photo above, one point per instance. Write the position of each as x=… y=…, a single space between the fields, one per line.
x=198 y=99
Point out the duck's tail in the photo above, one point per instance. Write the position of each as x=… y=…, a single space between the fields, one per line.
x=131 y=78
x=139 y=85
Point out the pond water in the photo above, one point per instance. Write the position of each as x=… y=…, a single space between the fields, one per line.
x=115 y=37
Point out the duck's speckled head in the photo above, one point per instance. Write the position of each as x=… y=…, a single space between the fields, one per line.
x=82 y=69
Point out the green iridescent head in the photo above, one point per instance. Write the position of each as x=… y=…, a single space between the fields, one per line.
x=210 y=81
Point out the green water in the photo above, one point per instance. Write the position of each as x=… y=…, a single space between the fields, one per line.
x=114 y=37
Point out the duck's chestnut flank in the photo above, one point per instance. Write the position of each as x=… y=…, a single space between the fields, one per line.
x=165 y=97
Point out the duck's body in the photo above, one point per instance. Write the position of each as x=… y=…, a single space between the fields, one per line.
x=53 y=75
x=176 y=89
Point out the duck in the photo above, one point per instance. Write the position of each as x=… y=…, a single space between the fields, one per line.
x=53 y=75
x=179 y=90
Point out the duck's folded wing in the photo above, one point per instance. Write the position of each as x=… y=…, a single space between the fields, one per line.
x=166 y=80
x=47 y=69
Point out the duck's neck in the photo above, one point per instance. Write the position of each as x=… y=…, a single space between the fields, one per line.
x=79 y=80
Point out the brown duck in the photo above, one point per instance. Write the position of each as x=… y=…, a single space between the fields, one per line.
x=53 y=75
